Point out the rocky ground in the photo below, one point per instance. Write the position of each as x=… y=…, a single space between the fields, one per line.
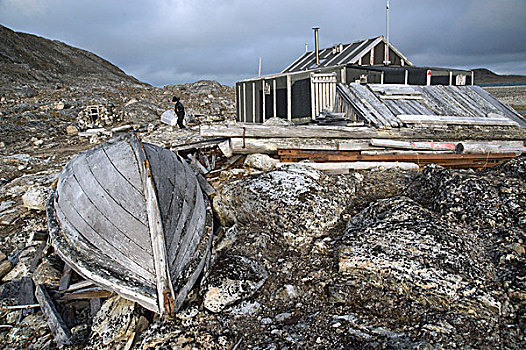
x=374 y=259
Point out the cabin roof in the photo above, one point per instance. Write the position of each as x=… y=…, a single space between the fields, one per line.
x=346 y=54
x=396 y=105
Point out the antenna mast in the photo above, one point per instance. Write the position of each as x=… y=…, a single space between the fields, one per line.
x=386 y=60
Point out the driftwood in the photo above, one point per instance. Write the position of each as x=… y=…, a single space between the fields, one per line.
x=5 y=267
x=422 y=145
x=455 y=120
x=271 y=145
x=346 y=166
x=87 y=293
x=248 y=131
x=489 y=148
x=198 y=145
x=38 y=256
x=26 y=294
x=65 y=278
x=58 y=327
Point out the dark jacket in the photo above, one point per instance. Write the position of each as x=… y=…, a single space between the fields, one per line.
x=179 y=109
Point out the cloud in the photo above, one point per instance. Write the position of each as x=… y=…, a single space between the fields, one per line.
x=175 y=41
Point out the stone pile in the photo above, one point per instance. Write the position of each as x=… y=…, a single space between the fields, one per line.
x=97 y=116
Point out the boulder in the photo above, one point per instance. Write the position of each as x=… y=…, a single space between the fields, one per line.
x=232 y=278
x=296 y=202
x=36 y=197
x=114 y=324
x=261 y=162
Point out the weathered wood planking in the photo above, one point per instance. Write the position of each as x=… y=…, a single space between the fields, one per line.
x=379 y=105
x=455 y=120
x=150 y=251
x=58 y=327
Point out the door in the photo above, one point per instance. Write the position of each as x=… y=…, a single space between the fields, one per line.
x=323 y=92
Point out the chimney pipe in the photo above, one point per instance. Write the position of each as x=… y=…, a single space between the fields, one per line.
x=317 y=45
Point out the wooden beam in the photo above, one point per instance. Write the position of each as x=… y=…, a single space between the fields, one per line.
x=263 y=102
x=471 y=148
x=274 y=102
x=343 y=132
x=433 y=146
x=346 y=166
x=65 y=278
x=58 y=327
x=289 y=98
x=443 y=119
x=271 y=145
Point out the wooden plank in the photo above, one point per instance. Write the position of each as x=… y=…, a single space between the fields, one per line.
x=60 y=331
x=356 y=104
x=455 y=120
x=371 y=153
x=346 y=166
x=177 y=226
x=87 y=293
x=414 y=145
x=342 y=132
x=120 y=154
x=163 y=165
x=38 y=256
x=103 y=234
x=418 y=158
x=93 y=264
x=26 y=294
x=79 y=285
x=401 y=97
x=65 y=278
x=489 y=148
x=96 y=174
x=156 y=231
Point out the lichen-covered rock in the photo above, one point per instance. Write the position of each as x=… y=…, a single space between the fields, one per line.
x=47 y=274
x=297 y=202
x=232 y=278
x=36 y=197
x=260 y=162
x=396 y=252
x=114 y=324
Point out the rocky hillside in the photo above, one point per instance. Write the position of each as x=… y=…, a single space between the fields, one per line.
x=30 y=59
x=485 y=76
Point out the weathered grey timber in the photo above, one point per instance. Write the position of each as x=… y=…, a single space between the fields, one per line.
x=393 y=105
x=132 y=218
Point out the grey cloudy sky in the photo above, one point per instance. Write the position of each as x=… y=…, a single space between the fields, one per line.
x=177 y=41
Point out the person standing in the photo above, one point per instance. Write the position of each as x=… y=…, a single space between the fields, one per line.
x=179 y=111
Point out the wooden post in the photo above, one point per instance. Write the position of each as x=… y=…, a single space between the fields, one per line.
x=312 y=97
x=289 y=98
x=472 y=77
x=244 y=103
x=57 y=325
x=371 y=60
x=406 y=77
x=344 y=75
x=450 y=78
x=238 y=97
x=428 y=82
x=382 y=78
x=254 y=102
x=263 y=118
x=274 y=99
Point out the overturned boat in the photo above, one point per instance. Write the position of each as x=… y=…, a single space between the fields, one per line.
x=131 y=217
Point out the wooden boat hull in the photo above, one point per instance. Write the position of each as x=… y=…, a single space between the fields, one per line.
x=132 y=218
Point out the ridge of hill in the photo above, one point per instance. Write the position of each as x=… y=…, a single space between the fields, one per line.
x=30 y=59
x=485 y=76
